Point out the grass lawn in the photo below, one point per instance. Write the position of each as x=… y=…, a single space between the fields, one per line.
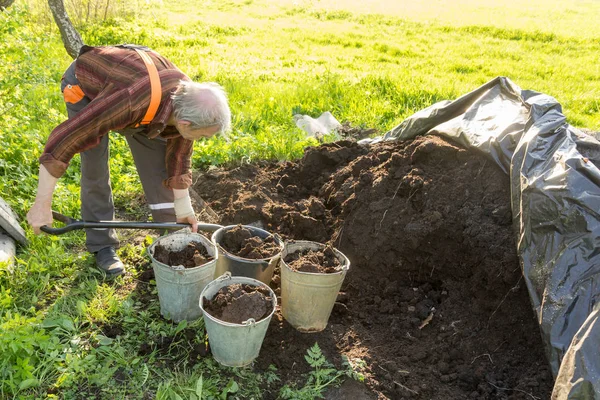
x=370 y=63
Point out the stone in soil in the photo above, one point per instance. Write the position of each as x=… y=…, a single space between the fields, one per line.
x=193 y=255
x=239 y=302
x=241 y=242
x=320 y=261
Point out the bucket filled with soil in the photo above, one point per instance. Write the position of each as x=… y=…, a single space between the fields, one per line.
x=183 y=263
x=237 y=311
x=247 y=251
x=311 y=276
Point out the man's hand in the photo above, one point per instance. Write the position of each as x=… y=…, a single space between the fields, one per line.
x=189 y=220
x=40 y=213
x=183 y=208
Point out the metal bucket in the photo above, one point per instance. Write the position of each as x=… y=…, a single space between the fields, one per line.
x=308 y=298
x=260 y=269
x=234 y=345
x=179 y=289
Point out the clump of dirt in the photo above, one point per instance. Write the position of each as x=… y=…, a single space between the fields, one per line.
x=435 y=303
x=193 y=255
x=240 y=241
x=239 y=302
x=318 y=262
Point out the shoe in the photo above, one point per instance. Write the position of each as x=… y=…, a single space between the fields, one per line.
x=108 y=261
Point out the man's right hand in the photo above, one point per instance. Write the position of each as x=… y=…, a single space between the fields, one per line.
x=39 y=215
x=183 y=208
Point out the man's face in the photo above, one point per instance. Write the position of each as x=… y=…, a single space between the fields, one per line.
x=194 y=134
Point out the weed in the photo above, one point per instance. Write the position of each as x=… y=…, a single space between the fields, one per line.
x=323 y=374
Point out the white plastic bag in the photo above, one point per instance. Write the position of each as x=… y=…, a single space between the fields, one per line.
x=317 y=128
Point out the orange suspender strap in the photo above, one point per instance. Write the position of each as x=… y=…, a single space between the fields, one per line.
x=73 y=94
x=155 y=88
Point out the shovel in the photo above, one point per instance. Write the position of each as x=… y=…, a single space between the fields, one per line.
x=73 y=224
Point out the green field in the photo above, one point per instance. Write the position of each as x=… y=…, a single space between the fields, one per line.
x=369 y=63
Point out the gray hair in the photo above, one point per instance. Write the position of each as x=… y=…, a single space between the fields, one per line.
x=202 y=104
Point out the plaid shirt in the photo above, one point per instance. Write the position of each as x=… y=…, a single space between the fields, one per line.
x=118 y=84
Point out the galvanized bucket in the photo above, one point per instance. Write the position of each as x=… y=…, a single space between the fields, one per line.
x=179 y=289
x=308 y=298
x=260 y=269
x=234 y=345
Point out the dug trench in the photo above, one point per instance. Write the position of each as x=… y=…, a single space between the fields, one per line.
x=434 y=304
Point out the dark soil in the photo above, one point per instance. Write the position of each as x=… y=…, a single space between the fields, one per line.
x=319 y=262
x=434 y=301
x=239 y=302
x=241 y=242
x=193 y=255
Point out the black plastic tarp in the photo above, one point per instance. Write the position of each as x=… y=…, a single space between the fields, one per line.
x=555 y=195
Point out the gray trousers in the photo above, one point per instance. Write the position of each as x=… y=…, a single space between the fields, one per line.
x=96 y=192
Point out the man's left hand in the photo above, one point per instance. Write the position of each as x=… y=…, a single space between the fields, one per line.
x=189 y=220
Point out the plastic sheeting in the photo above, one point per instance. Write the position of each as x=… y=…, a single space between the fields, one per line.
x=555 y=195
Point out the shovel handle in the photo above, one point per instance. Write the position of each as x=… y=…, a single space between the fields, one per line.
x=73 y=224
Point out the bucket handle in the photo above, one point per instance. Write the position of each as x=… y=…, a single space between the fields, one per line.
x=249 y=322
x=278 y=237
x=224 y=277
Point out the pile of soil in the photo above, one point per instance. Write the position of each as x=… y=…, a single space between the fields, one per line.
x=239 y=302
x=241 y=242
x=434 y=302
x=193 y=255
x=318 y=262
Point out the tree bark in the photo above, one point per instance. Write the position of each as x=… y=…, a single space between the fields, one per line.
x=70 y=37
x=5 y=4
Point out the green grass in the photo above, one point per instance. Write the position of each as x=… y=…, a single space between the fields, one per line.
x=372 y=66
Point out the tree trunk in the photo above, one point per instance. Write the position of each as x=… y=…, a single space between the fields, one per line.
x=5 y=4
x=70 y=37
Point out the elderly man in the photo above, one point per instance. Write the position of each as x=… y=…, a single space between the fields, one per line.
x=160 y=111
